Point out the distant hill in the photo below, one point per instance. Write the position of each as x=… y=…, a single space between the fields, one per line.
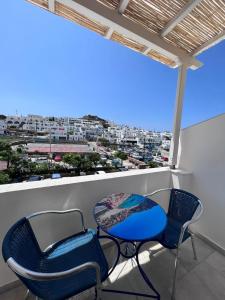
x=104 y=123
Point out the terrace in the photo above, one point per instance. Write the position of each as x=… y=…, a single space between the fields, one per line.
x=172 y=32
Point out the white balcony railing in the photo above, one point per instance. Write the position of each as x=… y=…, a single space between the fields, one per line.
x=18 y=200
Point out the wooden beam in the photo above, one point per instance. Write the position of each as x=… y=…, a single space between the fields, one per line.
x=123 y=5
x=180 y=16
x=109 y=33
x=147 y=49
x=212 y=42
x=110 y=18
x=51 y=5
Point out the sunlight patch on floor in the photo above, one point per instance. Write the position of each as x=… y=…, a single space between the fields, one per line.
x=125 y=267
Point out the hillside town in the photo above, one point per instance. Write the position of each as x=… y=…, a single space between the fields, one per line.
x=58 y=143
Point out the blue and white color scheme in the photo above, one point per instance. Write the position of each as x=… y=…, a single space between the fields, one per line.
x=130 y=217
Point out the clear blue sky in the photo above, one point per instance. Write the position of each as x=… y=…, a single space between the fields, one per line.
x=51 y=66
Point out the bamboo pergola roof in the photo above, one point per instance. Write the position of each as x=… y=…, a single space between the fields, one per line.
x=172 y=32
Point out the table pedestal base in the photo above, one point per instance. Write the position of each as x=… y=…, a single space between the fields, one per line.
x=131 y=252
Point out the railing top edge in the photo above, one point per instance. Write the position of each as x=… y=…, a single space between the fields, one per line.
x=48 y=183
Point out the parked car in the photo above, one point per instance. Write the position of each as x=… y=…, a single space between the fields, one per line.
x=83 y=173
x=35 y=178
x=56 y=176
x=100 y=172
x=123 y=169
x=58 y=158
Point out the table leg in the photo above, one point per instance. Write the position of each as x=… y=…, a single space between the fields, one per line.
x=118 y=250
x=144 y=276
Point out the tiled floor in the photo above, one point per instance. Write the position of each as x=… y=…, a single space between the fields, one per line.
x=197 y=280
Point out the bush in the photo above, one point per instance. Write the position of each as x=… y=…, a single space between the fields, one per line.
x=94 y=158
x=153 y=164
x=121 y=155
x=104 y=142
x=4 y=178
x=72 y=159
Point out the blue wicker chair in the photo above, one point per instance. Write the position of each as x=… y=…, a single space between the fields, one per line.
x=184 y=209
x=67 y=268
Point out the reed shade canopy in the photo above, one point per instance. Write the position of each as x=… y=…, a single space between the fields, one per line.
x=172 y=32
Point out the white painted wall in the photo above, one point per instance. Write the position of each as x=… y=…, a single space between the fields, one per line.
x=18 y=200
x=202 y=151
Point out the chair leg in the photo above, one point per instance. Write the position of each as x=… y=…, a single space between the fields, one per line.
x=175 y=275
x=193 y=246
x=98 y=293
x=27 y=295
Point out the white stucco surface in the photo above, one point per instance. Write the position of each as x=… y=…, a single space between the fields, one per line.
x=202 y=152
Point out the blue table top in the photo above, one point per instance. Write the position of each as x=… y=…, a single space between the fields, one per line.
x=130 y=217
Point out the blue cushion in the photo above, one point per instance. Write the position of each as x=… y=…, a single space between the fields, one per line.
x=66 y=245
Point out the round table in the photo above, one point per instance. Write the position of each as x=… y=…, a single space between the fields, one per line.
x=133 y=220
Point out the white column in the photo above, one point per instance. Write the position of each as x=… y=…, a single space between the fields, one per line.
x=178 y=114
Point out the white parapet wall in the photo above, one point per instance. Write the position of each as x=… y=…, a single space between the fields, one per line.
x=22 y=199
x=202 y=152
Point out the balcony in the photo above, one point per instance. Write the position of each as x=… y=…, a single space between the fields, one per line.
x=201 y=170
x=196 y=280
x=173 y=33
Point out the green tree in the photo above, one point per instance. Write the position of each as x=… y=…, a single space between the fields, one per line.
x=103 y=163
x=57 y=167
x=6 y=152
x=113 y=147
x=153 y=164
x=51 y=119
x=71 y=132
x=40 y=168
x=32 y=166
x=4 y=178
x=2 y=117
x=72 y=159
x=18 y=165
x=121 y=155
x=20 y=149
x=86 y=164
x=94 y=158
x=104 y=142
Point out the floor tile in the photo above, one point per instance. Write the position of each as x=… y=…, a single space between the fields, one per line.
x=217 y=261
x=203 y=282
x=14 y=294
x=186 y=253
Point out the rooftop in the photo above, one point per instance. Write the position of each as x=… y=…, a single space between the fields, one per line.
x=58 y=148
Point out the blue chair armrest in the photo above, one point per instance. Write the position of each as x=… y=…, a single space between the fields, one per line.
x=40 y=276
x=59 y=212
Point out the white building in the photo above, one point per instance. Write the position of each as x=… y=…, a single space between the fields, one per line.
x=3 y=127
